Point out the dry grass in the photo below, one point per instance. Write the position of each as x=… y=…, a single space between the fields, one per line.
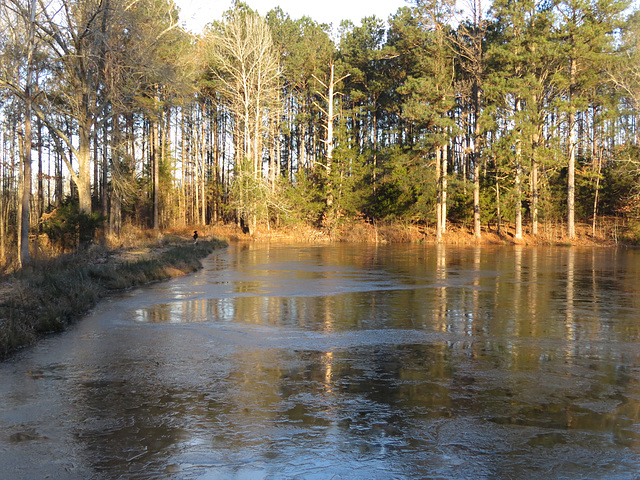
x=55 y=290
x=51 y=293
x=610 y=232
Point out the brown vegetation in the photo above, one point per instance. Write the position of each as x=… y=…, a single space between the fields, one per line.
x=51 y=293
x=53 y=290
x=612 y=232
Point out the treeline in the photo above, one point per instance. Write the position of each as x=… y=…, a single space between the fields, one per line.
x=526 y=113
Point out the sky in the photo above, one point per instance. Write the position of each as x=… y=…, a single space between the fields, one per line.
x=197 y=13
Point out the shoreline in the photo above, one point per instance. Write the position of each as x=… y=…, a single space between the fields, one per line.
x=50 y=295
x=367 y=233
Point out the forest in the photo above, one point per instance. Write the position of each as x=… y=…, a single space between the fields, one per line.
x=520 y=113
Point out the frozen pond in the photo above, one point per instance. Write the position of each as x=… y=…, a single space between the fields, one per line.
x=343 y=361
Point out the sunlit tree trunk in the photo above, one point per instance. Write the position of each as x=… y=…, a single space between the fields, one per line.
x=438 y=195
x=597 y=167
x=330 y=118
x=4 y=210
x=534 y=183
x=571 y=171
x=445 y=168
x=183 y=161
x=109 y=192
x=155 y=159
x=40 y=180
x=5 y=175
x=518 y=175
x=476 y=165
x=25 y=256
x=329 y=140
x=204 y=167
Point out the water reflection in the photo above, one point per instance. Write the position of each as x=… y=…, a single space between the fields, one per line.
x=569 y=317
x=516 y=293
x=349 y=362
x=518 y=327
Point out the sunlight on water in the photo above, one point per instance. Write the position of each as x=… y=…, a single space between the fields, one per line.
x=344 y=362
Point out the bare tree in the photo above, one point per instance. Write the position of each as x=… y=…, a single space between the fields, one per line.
x=94 y=77
x=330 y=118
x=20 y=82
x=244 y=63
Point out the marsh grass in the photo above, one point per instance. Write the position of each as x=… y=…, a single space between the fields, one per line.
x=49 y=295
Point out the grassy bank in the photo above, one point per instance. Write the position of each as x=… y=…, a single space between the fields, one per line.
x=49 y=295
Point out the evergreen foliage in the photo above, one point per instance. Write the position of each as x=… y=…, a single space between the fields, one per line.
x=68 y=227
x=524 y=113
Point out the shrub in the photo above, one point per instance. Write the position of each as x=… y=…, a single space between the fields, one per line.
x=68 y=228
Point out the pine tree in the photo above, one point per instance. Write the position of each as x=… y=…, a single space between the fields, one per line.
x=585 y=32
x=522 y=62
x=470 y=46
x=428 y=89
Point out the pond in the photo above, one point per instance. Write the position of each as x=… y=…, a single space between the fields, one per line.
x=343 y=361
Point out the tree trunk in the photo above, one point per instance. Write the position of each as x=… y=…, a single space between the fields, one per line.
x=498 y=210
x=571 y=171
x=59 y=185
x=24 y=255
x=40 y=201
x=96 y=155
x=445 y=167
x=165 y=142
x=534 y=185
x=271 y=175
x=104 y=189
x=195 y=183
x=155 y=159
x=330 y=121
x=84 y=158
x=374 y=173
x=215 y=176
x=204 y=170
x=25 y=189
x=597 y=192
x=329 y=129
x=4 y=200
x=330 y=116
x=476 y=200
x=438 y=195
x=571 y=182
x=518 y=176
x=183 y=158
x=115 y=220
x=476 y=163
x=4 y=210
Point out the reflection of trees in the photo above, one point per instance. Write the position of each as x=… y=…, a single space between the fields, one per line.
x=522 y=337
x=517 y=281
x=440 y=307
x=126 y=407
x=532 y=298
x=570 y=333
x=181 y=312
x=475 y=311
x=255 y=393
